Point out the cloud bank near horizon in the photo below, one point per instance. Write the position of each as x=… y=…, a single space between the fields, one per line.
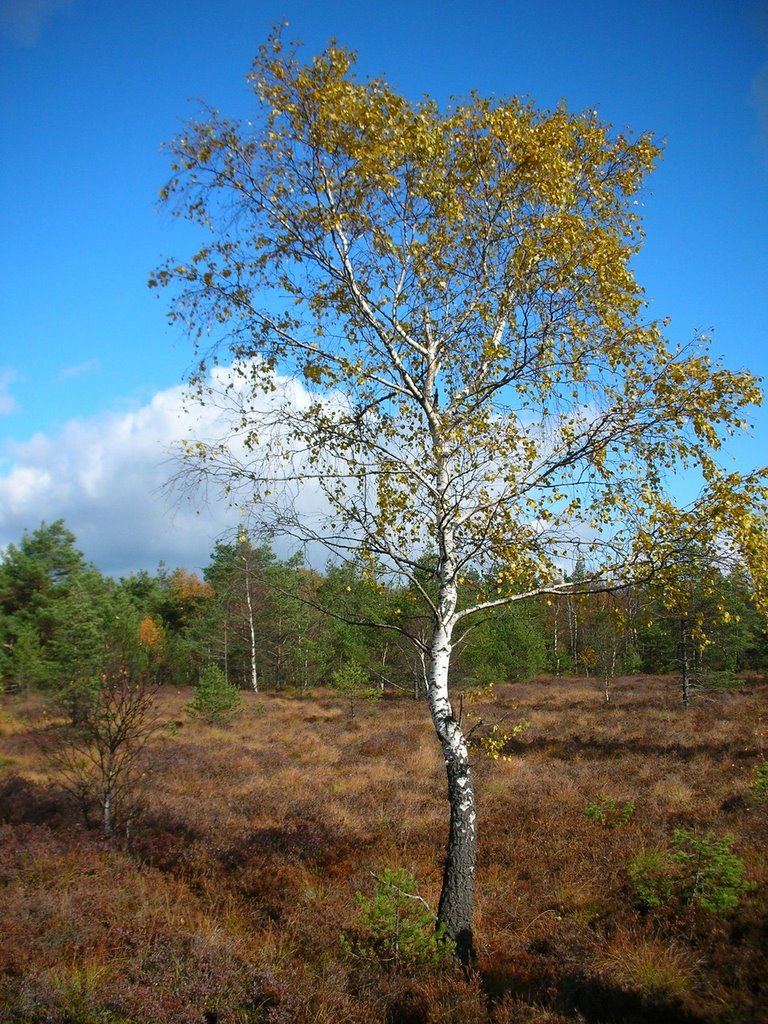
x=107 y=478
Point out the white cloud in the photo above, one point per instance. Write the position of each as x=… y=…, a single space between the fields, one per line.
x=8 y=404
x=22 y=20
x=105 y=477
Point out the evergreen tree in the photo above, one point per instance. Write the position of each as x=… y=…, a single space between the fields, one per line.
x=36 y=581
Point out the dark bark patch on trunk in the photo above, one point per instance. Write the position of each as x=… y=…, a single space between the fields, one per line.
x=457 y=896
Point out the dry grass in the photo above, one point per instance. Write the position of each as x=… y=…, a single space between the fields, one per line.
x=230 y=896
x=648 y=966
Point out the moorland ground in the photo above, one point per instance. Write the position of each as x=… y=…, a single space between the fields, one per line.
x=228 y=898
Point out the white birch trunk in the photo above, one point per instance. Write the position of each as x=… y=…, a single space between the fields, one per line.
x=457 y=896
x=106 y=802
x=252 y=630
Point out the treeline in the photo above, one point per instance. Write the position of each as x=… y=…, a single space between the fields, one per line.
x=273 y=624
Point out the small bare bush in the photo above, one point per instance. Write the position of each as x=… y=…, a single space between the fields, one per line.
x=98 y=757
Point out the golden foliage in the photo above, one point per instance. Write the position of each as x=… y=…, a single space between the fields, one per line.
x=151 y=634
x=453 y=287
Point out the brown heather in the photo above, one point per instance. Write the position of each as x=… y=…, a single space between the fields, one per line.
x=227 y=901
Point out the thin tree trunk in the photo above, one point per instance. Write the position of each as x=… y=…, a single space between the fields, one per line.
x=573 y=630
x=106 y=803
x=106 y=813
x=254 y=672
x=685 y=664
x=610 y=675
x=226 y=652
x=457 y=896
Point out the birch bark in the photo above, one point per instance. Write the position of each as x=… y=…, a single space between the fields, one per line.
x=252 y=631
x=457 y=895
x=456 y=898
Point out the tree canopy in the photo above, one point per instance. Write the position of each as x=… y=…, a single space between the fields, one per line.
x=454 y=290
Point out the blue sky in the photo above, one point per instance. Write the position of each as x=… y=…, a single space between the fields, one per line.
x=89 y=370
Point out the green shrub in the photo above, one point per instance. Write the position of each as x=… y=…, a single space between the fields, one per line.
x=217 y=700
x=608 y=812
x=396 y=928
x=711 y=875
x=651 y=875
x=759 y=784
x=703 y=872
x=352 y=681
x=719 y=681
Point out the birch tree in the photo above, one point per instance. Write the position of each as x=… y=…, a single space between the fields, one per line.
x=232 y=575
x=429 y=319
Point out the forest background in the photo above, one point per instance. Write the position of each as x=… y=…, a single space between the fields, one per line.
x=260 y=621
